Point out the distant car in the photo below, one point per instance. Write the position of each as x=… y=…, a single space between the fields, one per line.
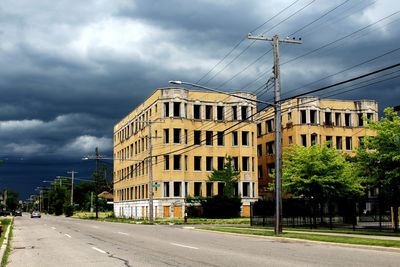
x=18 y=213
x=35 y=214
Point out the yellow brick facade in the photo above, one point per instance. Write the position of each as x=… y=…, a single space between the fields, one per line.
x=180 y=119
x=311 y=120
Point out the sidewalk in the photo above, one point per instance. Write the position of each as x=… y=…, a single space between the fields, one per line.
x=381 y=237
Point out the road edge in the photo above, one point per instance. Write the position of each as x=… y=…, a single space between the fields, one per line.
x=298 y=240
x=6 y=240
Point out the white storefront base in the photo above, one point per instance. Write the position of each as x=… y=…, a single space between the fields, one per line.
x=163 y=208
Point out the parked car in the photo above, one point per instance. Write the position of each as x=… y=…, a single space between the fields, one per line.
x=5 y=213
x=18 y=213
x=35 y=214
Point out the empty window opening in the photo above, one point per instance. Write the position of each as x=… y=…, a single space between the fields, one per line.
x=166 y=162
x=244 y=112
x=313 y=116
x=197 y=189
x=259 y=130
x=177 y=162
x=235 y=138
x=348 y=143
x=304 y=140
x=270 y=148
x=234 y=113
x=347 y=119
x=209 y=138
x=209 y=112
x=220 y=138
x=166 y=109
x=245 y=138
x=328 y=118
x=220 y=113
x=246 y=189
x=209 y=163
x=314 y=139
x=166 y=136
x=166 y=189
x=339 y=142
x=303 y=116
x=197 y=137
x=197 y=163
x=177 y=109
x=177 y=189
x=177 y=136
x=270 y=125
x=197 y=111
x=245 y=164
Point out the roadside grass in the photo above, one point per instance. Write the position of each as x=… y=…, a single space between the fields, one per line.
x=312 y=237
x=334 y=230
x=5 y=223
x=107 y=216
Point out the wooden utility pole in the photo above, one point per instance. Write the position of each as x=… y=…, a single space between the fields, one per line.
x=96 y=198
x=278 y=124
x=72 y=185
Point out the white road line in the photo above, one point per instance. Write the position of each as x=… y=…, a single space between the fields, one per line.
x=122 y=233
x=94 y=226
x=67 y=235
x=53 y=228
x=183 y=246
x=99 y=250
x=188 y=227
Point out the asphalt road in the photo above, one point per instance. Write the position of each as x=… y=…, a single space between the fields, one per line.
x=58 y=241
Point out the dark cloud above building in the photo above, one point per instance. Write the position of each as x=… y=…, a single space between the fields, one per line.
x=69 y=70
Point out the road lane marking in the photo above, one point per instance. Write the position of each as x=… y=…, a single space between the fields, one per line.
x=67 y=235
x=188 y=227
x=122 y=233
x=94 y=226
x=53 y=228
x=99 y=250
x=183 y=246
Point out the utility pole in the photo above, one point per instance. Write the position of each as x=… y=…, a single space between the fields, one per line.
x=72 y=185
x=96 y=198
x=150 y=177
x=278 y=138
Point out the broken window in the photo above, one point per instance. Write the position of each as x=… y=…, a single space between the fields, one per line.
x=177 y=136
x=209 y=138
x=197 y=137
x=177 y=109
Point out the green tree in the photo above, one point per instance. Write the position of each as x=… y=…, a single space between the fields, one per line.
x=229 y=175
x=12 y=199
x=319 y=173
x=379 y=158
x=57 y=199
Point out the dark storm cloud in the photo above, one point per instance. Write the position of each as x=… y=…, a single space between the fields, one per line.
x=69 y=70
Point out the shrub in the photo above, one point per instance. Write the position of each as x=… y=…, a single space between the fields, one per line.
x=68 y=210
x=221 y=207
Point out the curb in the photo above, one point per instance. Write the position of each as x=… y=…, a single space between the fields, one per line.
x=297 y=240
x=5 y=241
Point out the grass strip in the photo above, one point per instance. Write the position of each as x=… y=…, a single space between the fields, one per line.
x=5 y=223
x=4 y=261
x=321 y=238
x=334 y=230
x=109 y=218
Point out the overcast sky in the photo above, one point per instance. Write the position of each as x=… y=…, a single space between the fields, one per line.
x=69 y=70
